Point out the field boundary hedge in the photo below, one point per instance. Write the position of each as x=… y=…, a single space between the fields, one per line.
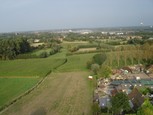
x=86 y=52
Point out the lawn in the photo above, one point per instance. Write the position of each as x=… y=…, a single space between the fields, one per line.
x=10 y=88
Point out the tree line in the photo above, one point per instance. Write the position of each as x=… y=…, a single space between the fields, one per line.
x=129 y=55
x=10 y=48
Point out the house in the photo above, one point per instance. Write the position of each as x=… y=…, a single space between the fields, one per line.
x=136 y=98
x=36 y=41
x=114 y=92
x=104 y=102
x=126 y=70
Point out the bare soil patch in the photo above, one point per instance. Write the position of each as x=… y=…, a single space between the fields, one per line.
x=86 y=49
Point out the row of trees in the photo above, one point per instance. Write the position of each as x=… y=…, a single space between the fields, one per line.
x=129 y=55
x=10 y=48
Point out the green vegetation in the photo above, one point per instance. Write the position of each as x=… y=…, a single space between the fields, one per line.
x=29 y=67
x=76 y=62
x=146 y=108
x=145 y=91
x=99 y=58
x=39 y=51
x=10 y=48
x=20 y=75
x=120 y=103
x=129 y=55
x=104 y=71
x=10 y=88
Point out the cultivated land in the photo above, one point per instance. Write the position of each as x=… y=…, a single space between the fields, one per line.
x=67 y=93
x=86 y=49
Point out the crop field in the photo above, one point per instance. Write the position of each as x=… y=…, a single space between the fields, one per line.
x=65 y=44
x=28 y=67
x=86 y=49
x=75 y=42
x=67 y=93
x=10 y=88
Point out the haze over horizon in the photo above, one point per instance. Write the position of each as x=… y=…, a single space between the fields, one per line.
x=28 y=15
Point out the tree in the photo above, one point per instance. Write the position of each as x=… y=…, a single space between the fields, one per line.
x=99 y=58
x=10 y=48
x=43 y=54
x=96 y=109
x=89 y=63
x=104 y=71
x=146 y=108
x=95 y=68
x=120 y=103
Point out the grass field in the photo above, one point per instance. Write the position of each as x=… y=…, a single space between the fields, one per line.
x=17 y=76
x=28 y=67
x=13 y=87
x=76 y=62
x=38 y=52
x=60 y=94
x=63 y=93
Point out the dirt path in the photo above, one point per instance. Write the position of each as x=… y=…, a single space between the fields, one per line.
x=60 y=94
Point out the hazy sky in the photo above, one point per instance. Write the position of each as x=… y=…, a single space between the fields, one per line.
x=24 y=15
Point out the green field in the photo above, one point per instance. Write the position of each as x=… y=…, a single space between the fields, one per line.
x=76 y=62
x=10 y=88
x=38 y=52
x=17 y=76
x=28 y=67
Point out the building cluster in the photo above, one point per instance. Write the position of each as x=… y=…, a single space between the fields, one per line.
x=129 y=80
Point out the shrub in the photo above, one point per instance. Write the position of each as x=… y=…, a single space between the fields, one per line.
x=43 y=55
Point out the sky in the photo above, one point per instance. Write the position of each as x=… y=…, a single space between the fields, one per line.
x=27 y=15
